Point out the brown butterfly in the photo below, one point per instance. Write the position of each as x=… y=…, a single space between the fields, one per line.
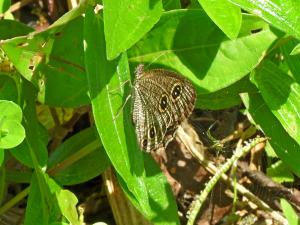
x=161 y=101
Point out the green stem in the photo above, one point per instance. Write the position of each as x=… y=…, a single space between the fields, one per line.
x=8 y=205
x=197 y=204
x=75 y=157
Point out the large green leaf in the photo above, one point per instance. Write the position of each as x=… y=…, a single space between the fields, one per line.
x=226 y=16
x=285 y=147
x=106 y=84
x=67 y=202
x=280 y=173
x=51 y=57
x=296 y=50
x=33 y=150
x=48 y=203
x=252 y=24
x=8 y=89
x=78 y=159
x=159 y=191
x=42 y=206
x=226 y=97
x=66 y=68
x=283 y=14
x=289 y=212
x=126 y=21
x=293 y=61
x=103 y=76
x=171 y=4
x=188 y=42
x=27 y=52
x=1 y=170
x=282 y=95
x=13 y=28
x=16 y=176
x=4 y=5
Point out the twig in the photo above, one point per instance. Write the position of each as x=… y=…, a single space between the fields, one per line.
x=220 y=173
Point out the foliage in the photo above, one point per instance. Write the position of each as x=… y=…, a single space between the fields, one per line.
x=289 y=212
x=231 y=57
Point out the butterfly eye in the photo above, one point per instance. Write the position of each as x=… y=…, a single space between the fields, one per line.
x=163 y=103
x=176 y=91
x=152 y=132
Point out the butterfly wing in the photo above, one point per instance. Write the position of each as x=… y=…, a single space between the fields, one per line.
x=161 y=101
x=150 y=123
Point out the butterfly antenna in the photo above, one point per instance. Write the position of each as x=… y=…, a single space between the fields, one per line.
x=122 y=107
x=120 y=86
x=155 y=59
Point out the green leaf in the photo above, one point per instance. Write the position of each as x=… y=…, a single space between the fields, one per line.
x=171 y=4
x=289 y=212
x=283 y=14
x=12 y=29
x=10 y=111
x=22 y=151
x=159 y=191
x=1 y=161
x=103 y=78
x=252 y=24
x=106 y=84
x=47 y=202
x=296 y=50
x=33 y=151
x=12 y=133
x=78 y=159
x=67 y=202
x=26 y=53
x=293 y=61
x=270 y=151
x=17 y=176
x=205 y=56
x=225 y=15
x=4 y=5
x=126 y=21
x=280 y=173
x=42 y=207
x=51 y=57
x=289 y=150
x=193 y=4
x=8 y=88
x=226 y=97
x=282 y=95
x=66 y=68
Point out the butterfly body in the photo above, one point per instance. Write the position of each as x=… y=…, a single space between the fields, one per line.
x=161 y=101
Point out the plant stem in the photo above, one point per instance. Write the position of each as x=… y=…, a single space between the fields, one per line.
x=196 y=205
x=8 y=205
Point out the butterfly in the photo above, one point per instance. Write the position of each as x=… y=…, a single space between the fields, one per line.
x=162 y=99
